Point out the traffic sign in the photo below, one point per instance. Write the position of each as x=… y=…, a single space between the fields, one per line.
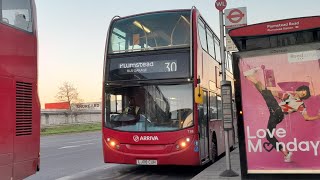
x=230 y=46
x=227 y=111
x=236 y=17
x=221 y=4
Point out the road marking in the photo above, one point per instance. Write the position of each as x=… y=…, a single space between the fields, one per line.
x=67 y=147
x=65 y=153
x=87 y=172
x=139 y=176
x=83 y=141
x=124 y=175
x=52 y=143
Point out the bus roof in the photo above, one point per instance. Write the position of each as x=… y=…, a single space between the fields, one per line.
x=151 y=12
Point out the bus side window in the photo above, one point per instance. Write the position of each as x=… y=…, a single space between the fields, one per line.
x=202 y=35
x=219 y=105
x=118 y=39
x=17 y=14
x=213 y=109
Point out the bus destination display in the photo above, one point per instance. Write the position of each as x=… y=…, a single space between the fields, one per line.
x=150 y=66
x=157 y=66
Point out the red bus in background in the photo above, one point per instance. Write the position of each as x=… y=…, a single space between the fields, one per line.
x=156 y=65
x=276 y=61
x=19 y=105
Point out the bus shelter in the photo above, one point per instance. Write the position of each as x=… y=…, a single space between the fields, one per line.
x=277 y=90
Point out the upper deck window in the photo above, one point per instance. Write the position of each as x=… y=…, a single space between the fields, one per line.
x=202 y=35
x=150 y=31
x=17 y=13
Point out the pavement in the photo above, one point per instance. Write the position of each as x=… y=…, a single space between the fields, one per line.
x=213 y=171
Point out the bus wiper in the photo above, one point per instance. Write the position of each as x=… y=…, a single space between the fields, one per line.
x=146 y=118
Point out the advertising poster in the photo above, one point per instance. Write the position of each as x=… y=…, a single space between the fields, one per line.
x=280 y=92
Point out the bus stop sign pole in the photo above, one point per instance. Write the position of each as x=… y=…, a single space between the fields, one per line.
x=226 y=94
x=227 y=117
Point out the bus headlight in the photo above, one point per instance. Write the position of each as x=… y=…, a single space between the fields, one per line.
x=111 y=142
x=183 y=143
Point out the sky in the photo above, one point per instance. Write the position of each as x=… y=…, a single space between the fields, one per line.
x=72 y=34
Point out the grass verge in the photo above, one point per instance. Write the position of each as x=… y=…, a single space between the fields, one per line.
x=70 y=128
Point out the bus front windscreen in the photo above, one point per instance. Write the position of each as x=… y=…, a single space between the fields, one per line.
x=150 y=31
x=151 y=108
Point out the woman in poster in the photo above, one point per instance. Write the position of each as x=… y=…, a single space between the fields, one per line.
x=290 y=102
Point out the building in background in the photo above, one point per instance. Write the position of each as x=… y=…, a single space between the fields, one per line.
x=59 y=113
x=87 y=106
x=57 y=105
x=73 y=106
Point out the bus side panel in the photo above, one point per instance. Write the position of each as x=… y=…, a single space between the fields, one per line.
x=206 y=65
x=24 y=169
x=216 y=127
x=18 y=54
x=19 y=155
x=27 y=147
x=6 y=127
x=6 y=172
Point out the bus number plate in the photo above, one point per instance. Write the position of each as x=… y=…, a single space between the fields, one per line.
x=147 y=162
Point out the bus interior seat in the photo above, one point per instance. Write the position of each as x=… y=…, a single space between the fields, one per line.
x=6 y=20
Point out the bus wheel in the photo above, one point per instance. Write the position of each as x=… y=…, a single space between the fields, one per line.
x=214 y=150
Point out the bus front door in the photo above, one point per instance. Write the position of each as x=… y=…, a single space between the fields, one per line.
x=203 y=129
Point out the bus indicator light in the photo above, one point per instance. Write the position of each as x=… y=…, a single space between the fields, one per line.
x=113 y=143
x=183 y=143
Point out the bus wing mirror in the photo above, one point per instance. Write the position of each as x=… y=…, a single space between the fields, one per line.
x=198 y=95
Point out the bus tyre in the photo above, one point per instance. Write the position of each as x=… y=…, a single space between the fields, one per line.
x=214 y=150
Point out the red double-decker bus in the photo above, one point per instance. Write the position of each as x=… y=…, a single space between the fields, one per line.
x=161 y=90
x=19 y=105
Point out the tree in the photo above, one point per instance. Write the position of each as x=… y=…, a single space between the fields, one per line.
x=68 y=93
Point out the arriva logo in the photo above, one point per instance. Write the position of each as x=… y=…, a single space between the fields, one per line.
x=136 y=138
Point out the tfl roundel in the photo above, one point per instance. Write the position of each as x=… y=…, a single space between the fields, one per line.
x=235 y=17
